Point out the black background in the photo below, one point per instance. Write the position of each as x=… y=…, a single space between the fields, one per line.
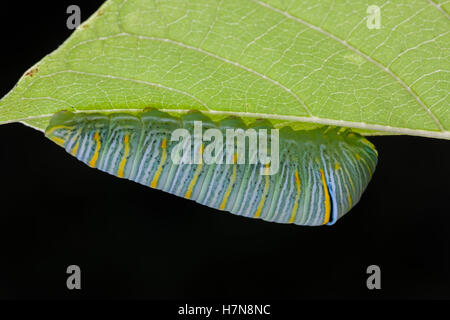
x=134 y=242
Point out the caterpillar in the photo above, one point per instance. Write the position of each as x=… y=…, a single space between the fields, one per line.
x=322 y=172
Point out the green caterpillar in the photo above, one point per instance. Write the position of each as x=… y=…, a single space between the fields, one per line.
x=322 y=172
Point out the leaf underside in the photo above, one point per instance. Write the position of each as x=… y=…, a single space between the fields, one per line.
x=303 y=63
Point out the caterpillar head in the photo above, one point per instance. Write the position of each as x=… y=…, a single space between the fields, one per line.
x=61 y=126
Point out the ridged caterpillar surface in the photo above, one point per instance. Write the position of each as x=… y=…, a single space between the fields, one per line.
x=322 y=172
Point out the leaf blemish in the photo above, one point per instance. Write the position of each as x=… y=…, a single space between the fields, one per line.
x=31 y=72
x=355 y=59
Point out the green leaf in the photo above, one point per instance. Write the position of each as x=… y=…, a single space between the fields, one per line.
x=298 y=63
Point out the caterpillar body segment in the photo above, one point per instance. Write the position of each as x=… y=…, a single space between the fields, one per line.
x=321 y=175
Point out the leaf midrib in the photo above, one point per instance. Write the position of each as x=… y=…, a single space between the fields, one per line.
x=324 y=121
